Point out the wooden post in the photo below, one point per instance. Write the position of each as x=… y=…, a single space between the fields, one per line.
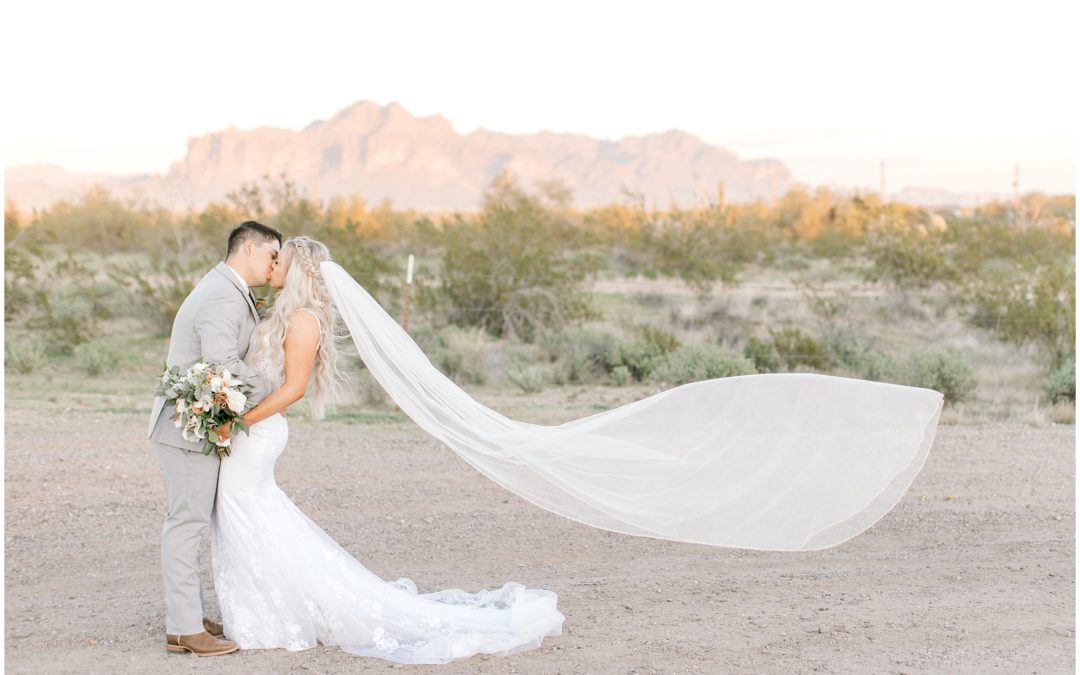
x=408 y=293
x=1016 y=194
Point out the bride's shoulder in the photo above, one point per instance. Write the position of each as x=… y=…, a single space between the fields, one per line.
x=304 y=324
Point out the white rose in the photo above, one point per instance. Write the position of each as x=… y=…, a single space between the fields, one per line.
x=216 y=383
x=236 y=401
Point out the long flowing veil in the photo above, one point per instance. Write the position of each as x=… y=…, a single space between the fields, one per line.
x=787 y=462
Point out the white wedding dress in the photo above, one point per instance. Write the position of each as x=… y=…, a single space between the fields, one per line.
x=282 y=582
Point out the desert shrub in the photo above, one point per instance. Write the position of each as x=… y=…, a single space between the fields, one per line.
x=529 y=377
x=19 y=281
x=621 y=376
x=1061 y=385
x=945 y=371
x=71 y=309
x=661 y=338
x=155 y=288
x=699 y=247
x=868 y=363
x=692 y=363
x=580 y=355
x=97 y=357
x=986 y=239
x=718 y=315
x=56 y=297
x=638 y=357
x=1029 y=302
x=463 y=354
x=906 y=257
x=23 y=354
x=514 y=269
x=827 y=307
x=100 y=223
x=761 y=353
x=795 y=348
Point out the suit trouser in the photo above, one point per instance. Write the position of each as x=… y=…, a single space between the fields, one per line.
x=190 y=489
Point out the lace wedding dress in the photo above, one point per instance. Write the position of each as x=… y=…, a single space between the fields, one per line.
x=282 y=582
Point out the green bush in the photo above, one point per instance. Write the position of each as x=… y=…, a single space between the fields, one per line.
x=638 y=357
x=795 y=348
x=862 y=360
x=529 y=377
x=1061 y=385
x=1032 y=302
x=23 y=354
x=662 y=339
x=945 y=371
x=19 y=281
x=906 y=257
x=692 y=363
x=621 y=376
x=95 y=358
x=762 y=354
x=463 y=354
x=581 y=355
x=699 y=247
x=515 y=269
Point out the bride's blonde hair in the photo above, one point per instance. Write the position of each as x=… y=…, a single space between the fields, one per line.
x=304 y=288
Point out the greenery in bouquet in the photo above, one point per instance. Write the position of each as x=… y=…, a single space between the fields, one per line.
x=204 y=398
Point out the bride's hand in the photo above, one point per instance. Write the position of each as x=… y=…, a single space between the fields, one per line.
x=224 y=431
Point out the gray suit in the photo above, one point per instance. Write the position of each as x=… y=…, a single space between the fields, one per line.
x=213 y=325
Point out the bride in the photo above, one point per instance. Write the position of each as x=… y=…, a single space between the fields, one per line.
x=281 y=581
x=782 y=462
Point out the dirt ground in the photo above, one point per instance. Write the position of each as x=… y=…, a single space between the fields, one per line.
x=972 y=572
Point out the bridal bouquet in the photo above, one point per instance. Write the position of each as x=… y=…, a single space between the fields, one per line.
x=206 y=397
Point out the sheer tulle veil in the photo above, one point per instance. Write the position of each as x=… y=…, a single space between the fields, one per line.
x=786 y=462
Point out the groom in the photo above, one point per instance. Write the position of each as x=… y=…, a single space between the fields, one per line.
x=213 y=325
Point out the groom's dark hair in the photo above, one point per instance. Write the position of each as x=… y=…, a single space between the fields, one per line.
x=250 y=229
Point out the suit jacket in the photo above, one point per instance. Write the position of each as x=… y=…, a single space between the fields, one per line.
x=213 y=325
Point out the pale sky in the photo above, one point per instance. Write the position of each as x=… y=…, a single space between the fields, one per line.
x=949 y=94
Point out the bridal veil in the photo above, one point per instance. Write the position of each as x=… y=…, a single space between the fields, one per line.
x=786 y=462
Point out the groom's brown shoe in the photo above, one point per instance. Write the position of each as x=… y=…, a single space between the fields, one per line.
x=215 y=629
x=201 y=644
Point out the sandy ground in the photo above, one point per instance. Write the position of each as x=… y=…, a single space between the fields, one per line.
x=972 y=572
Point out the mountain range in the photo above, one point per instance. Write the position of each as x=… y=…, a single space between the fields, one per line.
x=386 y=153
